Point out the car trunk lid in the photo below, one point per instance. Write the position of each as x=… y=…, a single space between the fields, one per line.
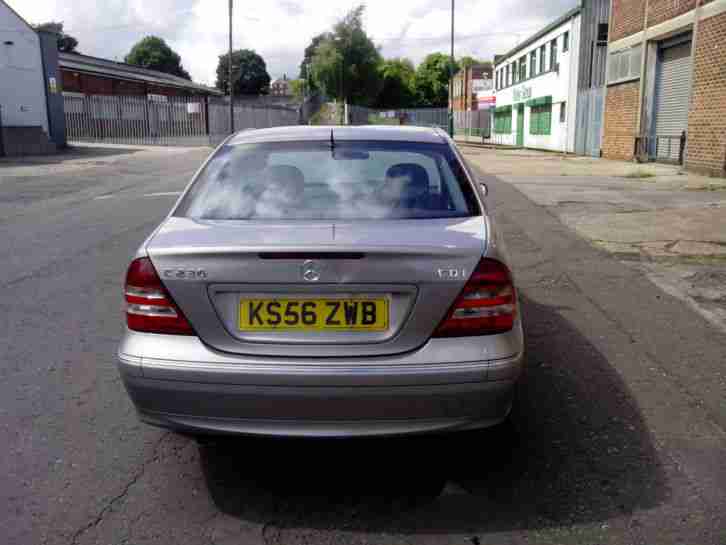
x=417 y=267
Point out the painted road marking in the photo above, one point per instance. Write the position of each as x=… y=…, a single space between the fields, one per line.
x=163 y=194
x=160 y=194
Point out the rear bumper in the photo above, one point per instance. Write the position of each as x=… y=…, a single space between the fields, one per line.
x=345 y=398
x=319 y=412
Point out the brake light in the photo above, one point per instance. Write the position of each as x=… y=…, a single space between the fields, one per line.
x=149 y=307
x=487 y=304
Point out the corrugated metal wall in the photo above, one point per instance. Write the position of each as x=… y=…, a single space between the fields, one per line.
x=591 y=77
x=588 y=131
x=593 y=57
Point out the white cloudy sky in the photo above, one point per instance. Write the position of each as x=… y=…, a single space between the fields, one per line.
x=281 y=29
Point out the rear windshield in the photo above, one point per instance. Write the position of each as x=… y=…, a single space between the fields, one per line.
x=317 y=180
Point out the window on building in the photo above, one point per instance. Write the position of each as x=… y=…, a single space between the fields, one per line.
x=540 y=120
x=602 y=34
x=523 y=68
x=533 y=63
x=542 y=57
x=503 y=120
x=625 y=64
x=563 y=112
x=506 y=80
x=553 y=54
x=566 y=42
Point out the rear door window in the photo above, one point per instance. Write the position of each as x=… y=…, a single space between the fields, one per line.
x=314 y=180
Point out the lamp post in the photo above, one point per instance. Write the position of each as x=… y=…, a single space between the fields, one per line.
x=451 y=76
x=229 y=67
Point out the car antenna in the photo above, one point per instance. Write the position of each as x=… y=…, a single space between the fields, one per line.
x=332 y=140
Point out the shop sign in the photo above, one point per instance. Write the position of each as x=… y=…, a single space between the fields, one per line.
x=521 y=94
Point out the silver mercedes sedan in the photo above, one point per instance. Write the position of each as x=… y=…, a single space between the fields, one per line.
x=324 y=281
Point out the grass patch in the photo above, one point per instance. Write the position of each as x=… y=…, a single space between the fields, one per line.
x=709 y=187
x=639 y=174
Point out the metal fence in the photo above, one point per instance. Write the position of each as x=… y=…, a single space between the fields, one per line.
x=473 y=126
x=167 y=121
x=422 y=117
x=663 y=148
x=247 y=116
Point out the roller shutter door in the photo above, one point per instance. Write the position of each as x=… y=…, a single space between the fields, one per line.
x=672 y=95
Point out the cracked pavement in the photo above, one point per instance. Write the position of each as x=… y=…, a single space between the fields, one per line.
x=667 y=226
x=617 y=436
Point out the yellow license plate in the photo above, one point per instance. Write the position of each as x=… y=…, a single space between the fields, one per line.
x=307 y=314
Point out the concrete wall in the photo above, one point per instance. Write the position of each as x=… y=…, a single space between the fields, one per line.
x=22 y=86
x=561 y=86
x=54 y=94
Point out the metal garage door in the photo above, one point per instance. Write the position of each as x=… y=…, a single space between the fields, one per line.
x=672 y=95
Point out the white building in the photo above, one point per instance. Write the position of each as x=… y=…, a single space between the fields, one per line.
x=24 y=111
x=536 y=88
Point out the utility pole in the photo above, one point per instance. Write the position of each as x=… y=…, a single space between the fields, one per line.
x=229 y=66
x=451 y=76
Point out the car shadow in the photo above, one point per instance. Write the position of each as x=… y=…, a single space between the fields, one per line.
x=575 y=450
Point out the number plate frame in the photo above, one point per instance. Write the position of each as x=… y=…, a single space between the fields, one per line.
x=329 y=311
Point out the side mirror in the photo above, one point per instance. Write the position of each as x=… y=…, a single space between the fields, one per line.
x=484 y=189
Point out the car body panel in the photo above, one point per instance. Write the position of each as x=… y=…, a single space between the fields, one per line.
x=405 y=268
x=404 y=381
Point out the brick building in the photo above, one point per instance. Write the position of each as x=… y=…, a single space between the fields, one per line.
x=281 y=87
x=86 y=75
x=468 y=84
x=666 y=83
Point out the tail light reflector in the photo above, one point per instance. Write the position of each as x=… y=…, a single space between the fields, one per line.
x=487 y=304
x=149 y=307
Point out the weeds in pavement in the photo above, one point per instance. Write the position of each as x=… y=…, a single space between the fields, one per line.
x=640 y=173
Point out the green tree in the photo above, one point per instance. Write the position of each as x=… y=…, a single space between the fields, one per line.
x=154 y=53
x=297 y=88
x=249 y=73
x=308 y=57
x=398 y=84
x=432 y=80
x=467 y=62
x=66 y=42
x=346 y=64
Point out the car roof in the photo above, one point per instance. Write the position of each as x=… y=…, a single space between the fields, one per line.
x=340 y=133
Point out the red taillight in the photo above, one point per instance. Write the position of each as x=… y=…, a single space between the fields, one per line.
x=149 y=307
x=486 y=305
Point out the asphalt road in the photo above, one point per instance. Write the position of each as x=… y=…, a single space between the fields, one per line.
x=617 y=435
